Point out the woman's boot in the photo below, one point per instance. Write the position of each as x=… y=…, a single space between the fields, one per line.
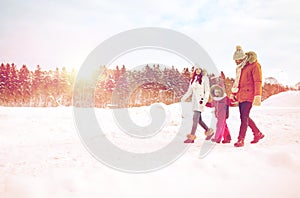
x=209 y=133
x=190 y=138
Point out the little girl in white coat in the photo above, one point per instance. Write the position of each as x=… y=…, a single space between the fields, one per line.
x=199 y=89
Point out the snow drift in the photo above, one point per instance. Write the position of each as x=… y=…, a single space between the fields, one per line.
x=283 y=99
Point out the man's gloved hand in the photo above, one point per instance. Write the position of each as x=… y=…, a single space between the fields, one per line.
x=257 y=100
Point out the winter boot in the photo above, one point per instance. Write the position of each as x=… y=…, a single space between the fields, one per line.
x=190 y=138
x=226 y=141
x=257 y=137
x=216 y=140
x=239 y=143
x=209 y=133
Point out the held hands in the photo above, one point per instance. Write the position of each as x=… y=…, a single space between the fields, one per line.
x=257 y=100
x=232 y=97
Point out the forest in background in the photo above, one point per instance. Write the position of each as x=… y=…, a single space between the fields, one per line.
x=113 y=88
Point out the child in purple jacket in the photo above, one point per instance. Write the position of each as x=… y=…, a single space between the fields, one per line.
x=221 y=103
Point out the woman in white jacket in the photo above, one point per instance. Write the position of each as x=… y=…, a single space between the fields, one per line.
x=199 y=89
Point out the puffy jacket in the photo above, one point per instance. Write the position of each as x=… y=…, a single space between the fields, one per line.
x=221 y=105
x=199 y=92
x=250 y=83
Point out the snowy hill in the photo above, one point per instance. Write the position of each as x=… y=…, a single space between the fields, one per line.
x=284 y=99
x=41 y=155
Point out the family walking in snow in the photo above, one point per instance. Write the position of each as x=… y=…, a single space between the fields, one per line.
x=246 y=91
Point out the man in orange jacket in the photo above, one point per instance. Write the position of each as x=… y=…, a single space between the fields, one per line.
x=247 y=90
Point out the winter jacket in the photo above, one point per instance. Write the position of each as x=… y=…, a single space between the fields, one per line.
x=199 y=92
x=221 y=105
x=250 y=83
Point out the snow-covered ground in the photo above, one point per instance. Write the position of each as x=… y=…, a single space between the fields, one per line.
x=41 y=155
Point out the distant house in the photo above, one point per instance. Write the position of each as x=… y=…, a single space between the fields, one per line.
x=271 y=80
x=297 y=86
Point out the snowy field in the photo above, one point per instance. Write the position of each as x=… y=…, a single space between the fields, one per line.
x=41 y=155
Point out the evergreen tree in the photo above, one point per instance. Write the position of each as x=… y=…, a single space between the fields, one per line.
x=37 y=85
x=3 y=82
x=25 y=85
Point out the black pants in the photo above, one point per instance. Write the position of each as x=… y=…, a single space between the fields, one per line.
x=198 y=119
x=246 y=121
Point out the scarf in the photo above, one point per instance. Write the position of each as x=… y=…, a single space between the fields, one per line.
x=235 y=87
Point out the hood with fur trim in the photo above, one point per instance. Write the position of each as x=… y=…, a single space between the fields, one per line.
x=218 y=87
x=252 y=57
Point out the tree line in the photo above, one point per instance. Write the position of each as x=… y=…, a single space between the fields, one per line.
x=112 y=87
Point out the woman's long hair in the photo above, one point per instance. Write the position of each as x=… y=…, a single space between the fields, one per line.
x=197 y=77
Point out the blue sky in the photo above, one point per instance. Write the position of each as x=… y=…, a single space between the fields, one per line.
x=62 y=33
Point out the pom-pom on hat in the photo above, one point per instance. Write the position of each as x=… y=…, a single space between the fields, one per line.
x=239 y=53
